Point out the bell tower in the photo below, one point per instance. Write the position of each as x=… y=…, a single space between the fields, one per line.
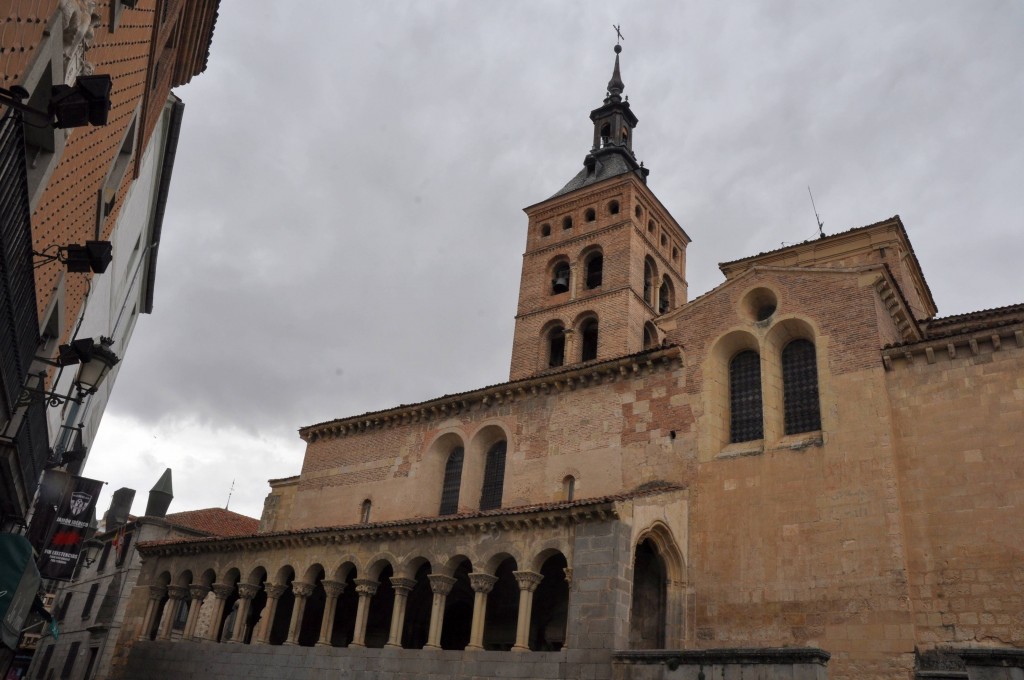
x=603 y=259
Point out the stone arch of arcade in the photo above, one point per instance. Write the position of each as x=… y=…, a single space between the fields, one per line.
x=502 y=600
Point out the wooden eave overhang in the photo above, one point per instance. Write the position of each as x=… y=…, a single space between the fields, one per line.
x=525 y=518
x=196 y=23
x=549 y=382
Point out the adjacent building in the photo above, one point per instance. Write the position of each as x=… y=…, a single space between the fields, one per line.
x=803 y=473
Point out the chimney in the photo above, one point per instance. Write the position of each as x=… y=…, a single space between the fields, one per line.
x=120 y=506
x=160 y=496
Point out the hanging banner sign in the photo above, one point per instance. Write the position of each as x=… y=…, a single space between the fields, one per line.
x=70 y=526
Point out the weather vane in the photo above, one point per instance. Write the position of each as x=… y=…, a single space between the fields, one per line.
x=618 y=33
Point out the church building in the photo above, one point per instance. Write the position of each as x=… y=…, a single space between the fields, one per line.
x=802 y=473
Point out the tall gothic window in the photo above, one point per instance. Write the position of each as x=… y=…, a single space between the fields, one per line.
x=494 y=477
x=800 y=387
x=452 y=482
x=746 y=422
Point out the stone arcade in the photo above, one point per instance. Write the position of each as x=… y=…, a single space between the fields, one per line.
x=802 y=473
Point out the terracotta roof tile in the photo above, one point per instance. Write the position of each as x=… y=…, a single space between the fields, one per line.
x=215 y=521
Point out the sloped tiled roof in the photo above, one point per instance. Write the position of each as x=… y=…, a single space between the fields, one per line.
x=216 y=522
x=609 y=165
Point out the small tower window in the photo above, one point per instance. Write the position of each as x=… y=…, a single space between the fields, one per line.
x=650 y=226
x=664 y=240
x=560 y=281
x=638 y=211
x=606 y=133
x=675 y=253
x=589 y=333
x=452 y=482
x=494 y=477
x=665 y=296
x=545 y=230
x=567 y=222
x=590 y=215
x=745 y=422
x=569 y=487
x=556 y=346
x=364 y=514
x=650 y=336
x=595 y=266
x=649 y=280
x=613 y=208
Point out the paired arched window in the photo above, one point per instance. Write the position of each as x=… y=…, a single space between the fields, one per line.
x=595 y=270
x=452 y=482
x=556 y=346
x=800 y=387
x=560 y=278
x=588 y=333
x=494 y=476
x=745 y=420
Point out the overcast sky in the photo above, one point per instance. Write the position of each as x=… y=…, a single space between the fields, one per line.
x=345 y=225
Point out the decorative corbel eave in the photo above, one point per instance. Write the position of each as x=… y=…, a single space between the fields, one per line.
x=973 y=343
x=897 y=307
x=526 y=520
x=633 y=366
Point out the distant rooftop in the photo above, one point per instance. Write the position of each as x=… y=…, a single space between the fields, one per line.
x=216 y=522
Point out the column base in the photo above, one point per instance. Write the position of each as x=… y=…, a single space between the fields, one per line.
x=475 y=648
x=290 y=643
x=356 y=644
x=520 y=648
x=393 y=645
x=434 y=647
x=321 y=643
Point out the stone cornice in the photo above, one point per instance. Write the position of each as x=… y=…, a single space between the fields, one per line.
x=550 y=382
x=896 y=305
x=723 y=656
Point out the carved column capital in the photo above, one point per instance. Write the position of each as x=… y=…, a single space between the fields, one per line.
x=334 y=588
x=367 y=586
x=157 y=592
x=302 y=589
x=441 y=584
x=274 y=590
x=223 y=590
x=198 y=592
x=247 y=591
x=481 y=582
x=568 y=575
x=527 y=580
x=404 y=585
x=177 y=592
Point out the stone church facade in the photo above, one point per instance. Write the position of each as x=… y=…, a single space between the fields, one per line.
x=803 y=473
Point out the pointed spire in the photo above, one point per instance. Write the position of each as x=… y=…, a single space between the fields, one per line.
x=615 y=85
x=160 y=496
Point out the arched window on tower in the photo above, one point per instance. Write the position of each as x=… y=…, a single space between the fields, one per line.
x=745 y=422
x=613 y=208
x=606 y=133
x=800 y=387
x=556 y=346
x=560 y=280
x=569 y=488
x=494 y=476
x=595 y=270
x=649 y=280
x=665 y=296
x=452 y=482
x=588 y=332
x=590 y=215
x=650 y=336
x=364 y=514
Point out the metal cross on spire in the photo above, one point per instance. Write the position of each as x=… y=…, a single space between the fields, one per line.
x=618 y=33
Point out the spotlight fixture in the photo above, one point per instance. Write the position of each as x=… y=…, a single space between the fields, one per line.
x=87 y=102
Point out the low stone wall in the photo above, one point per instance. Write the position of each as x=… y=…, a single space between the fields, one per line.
x=716 y=664
x=192 y=660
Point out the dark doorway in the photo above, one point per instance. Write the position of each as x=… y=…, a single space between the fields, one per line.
x=647 y=614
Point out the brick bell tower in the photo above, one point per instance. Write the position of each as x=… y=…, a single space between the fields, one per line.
x=603 y=259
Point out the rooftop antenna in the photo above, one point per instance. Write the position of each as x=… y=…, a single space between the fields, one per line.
x=230 y=491
x=821 y=232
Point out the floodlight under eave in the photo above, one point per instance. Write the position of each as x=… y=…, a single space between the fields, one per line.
x=94 y=256
x=92 y=373
x=87 y=102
